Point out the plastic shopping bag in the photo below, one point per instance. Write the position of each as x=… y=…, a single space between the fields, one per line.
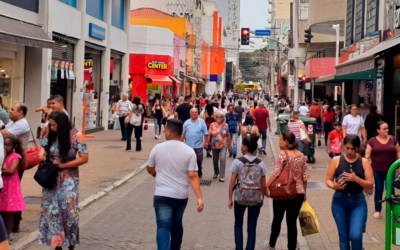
x=308 y=220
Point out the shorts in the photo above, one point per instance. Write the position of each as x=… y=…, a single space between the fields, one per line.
x=331 y=154
x=317 y=128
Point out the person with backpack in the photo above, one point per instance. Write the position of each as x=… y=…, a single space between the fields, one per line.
x=248 y=187
x=292 y=161
x=316 y=112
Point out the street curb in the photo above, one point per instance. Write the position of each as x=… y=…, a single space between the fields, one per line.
x=27 y=240
x=303 y=244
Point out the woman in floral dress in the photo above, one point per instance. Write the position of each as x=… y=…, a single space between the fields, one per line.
x=59 y=219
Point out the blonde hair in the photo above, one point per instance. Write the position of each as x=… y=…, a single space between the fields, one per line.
x=294 y=115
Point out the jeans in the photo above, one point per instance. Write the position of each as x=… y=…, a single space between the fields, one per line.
x=252 y=216
x=157 y=125
x=380 y=181
x=219 y=155
x=331 y=154
x=123 y=127
x=137 y=136
x=263 y=133
x=292 y=208
x=234 y=142
x=199 y=156
x=300 y=145
x=169 y=213
x=350 y=213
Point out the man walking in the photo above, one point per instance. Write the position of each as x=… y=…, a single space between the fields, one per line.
x=123 y=107
x=233 y=120
x=263 y=123
x=303 y=109
x=240 y=110
x=173 y=164
x=194 y=130
x=316 y=112
x=182 y=112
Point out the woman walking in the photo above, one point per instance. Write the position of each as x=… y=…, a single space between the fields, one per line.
x=135 y=110
x=209 y=118
x=249 y=147
x=296 y=162
x=249 y=126
x=159 y=114
x=295 y=124
x=353 y=124
x=59 y=219
x=328 y=119
x=247 y=108
x=220 y=142
x=350 y=175
x=383 y=150
x=371 y=120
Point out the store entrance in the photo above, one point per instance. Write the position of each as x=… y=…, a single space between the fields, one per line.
x=92 y=87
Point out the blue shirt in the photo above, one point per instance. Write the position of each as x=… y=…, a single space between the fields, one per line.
x=194 y=132
x=233 y=120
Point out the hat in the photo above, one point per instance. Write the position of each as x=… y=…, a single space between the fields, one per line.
x=261 y=103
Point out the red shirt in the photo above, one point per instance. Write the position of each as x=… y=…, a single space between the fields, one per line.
x=336 y=141
x=203 y=103
x=261 y=114
x=329 y=117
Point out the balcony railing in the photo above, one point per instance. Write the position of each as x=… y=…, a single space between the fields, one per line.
x=325 y=52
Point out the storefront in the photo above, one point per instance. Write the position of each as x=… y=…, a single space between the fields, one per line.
x=115 y=73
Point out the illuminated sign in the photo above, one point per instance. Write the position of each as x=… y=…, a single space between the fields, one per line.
x=157 y=65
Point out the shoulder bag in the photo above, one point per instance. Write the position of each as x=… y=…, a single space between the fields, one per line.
x=284 y=187
x=46 y=174
x=32 y=154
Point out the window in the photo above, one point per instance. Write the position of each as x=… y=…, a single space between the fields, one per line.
x=349 y=22
x=70 y=2
x=117 y=13
x=359 y=20
x=95 y=8
x=31 y=5
x=372 y=15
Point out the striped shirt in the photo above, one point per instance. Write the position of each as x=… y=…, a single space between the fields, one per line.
x=295 y=127
x=123 y=107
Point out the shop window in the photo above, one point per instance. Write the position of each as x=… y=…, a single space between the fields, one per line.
x=349 y=22
x=117 y=13
x=31 y=5
x=70 y=2
x=372 y=14
x=6 y=79
x=359 y=20
x=95 y=8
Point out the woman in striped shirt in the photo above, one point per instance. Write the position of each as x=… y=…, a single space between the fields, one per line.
x=295 y=124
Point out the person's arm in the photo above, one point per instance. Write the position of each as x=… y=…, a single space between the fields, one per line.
x=398 y=150
x=41 y=109
x=195 y=183
x=256 y=131
x=344 y=130
x=230 y=142
x=269 y=124
x=263 y=185
x=82 y=159
x=151 y=164
x=117 y=107
x=231 y=186
x=11 y=170
x=205 y=133
x=331 y=174
x=364 y=134
x=368 y=151
x=329 y=145
x=368 y=183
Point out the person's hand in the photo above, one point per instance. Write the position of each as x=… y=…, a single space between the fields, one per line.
x=328 y=151
x=365 y=142
x=270 y=130
x=230 y=148
x=230 y=204
x=267 y=193
x=340 y=185
x=42 y=155
x=200 y=205
x=350 y=176
x=205 y=145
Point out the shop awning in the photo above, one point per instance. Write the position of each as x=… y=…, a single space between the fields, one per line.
x=199 y=80
x=19 y=32
x=159 y=79
x=177 y=82
x=365 y=61
x=190 y=78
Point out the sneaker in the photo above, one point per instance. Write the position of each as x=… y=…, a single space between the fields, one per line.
x=128 y=150
x=260 y=151
x=159 y=137
x=266 y=244
x=141 y=138
x=230 y=155
x=319 y=143
x=234 y=156
x=264 y=152
x=156 y=137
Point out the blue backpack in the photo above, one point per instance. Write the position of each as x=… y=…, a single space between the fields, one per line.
x=248 y=188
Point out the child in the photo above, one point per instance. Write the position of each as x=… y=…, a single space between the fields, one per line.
x=335 y=140
x=11 y=196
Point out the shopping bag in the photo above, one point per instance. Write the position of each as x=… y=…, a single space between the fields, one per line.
x=308 y=220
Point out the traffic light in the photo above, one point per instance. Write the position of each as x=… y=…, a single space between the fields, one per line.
x=129 y=79
x=302 y=82
x=308 y=36
x=304 y=78
x=245 y=36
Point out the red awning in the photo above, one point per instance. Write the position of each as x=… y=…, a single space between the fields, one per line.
x=199 y=80
x=177 y=82
x=158 y=79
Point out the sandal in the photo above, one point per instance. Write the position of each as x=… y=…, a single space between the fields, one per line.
x=221 y=179
x=377 y=215
x=215 y=176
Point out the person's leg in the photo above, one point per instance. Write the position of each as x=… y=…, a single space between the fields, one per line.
x=342 y=219
x=177 y=226
x=215 y=155
x=222 y=163
x=164 y=216
x=137 y=136
x=292 y=214
x=264 y=140
x=123 y=127
x=8 y=218
x=239 y=213
x=159 y=125
x=129 y=131
x=234 y=143
x=156 y=126
x=358 y=218
x=379 y=187
x=199 y=156
x=326 y=129
x=279 y=208
x=252 y=216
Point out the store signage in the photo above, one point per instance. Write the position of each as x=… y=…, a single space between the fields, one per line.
x=89 y=63
x=396 y=21
x=157 y=65
x=97 y=31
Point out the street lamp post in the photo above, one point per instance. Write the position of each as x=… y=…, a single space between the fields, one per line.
x=337 y=28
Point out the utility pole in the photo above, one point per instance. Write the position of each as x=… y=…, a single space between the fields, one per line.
x=296 y=46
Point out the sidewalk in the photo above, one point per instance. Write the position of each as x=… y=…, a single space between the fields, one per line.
x=319 y=196
x=108 y=162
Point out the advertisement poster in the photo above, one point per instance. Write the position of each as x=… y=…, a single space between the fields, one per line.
x=53 y=71
x=66 y=70
x=71 y=71
x=62 y=69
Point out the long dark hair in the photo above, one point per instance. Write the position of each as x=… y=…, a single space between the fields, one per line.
x=248 y=120
x=251 y=142
x=19 y=149
x=330 y=108
x=373 y=112
x=291 y=139
x=136 y=100
x=62 y=135
x=353 y=140
x=210 y=109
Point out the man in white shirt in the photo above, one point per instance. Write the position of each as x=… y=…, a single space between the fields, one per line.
x=174 y=164
x=303 y=109
x=123 y=107
x=19 y=125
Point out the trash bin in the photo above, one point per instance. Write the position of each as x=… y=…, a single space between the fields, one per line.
x=309 y=123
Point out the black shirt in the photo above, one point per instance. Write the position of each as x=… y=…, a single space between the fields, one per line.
x=239 y=110
x=358 y=169
x=183 y=111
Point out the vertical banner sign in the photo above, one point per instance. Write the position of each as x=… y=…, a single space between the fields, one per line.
x=71 y=71
x=303 y=15
x=379 y=85
x=62 y=69
x=66 y=70
x=53 y=71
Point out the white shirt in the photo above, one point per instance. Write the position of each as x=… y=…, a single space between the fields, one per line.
x=21 y=129
x=303 y=110
x=353 y=124
x=173 y=159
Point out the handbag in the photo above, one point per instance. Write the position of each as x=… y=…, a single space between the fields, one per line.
x=284 y=187
x=46 y=174
x=303 y=135
x=146 y=125
x=136 y=119
x=32 y=155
